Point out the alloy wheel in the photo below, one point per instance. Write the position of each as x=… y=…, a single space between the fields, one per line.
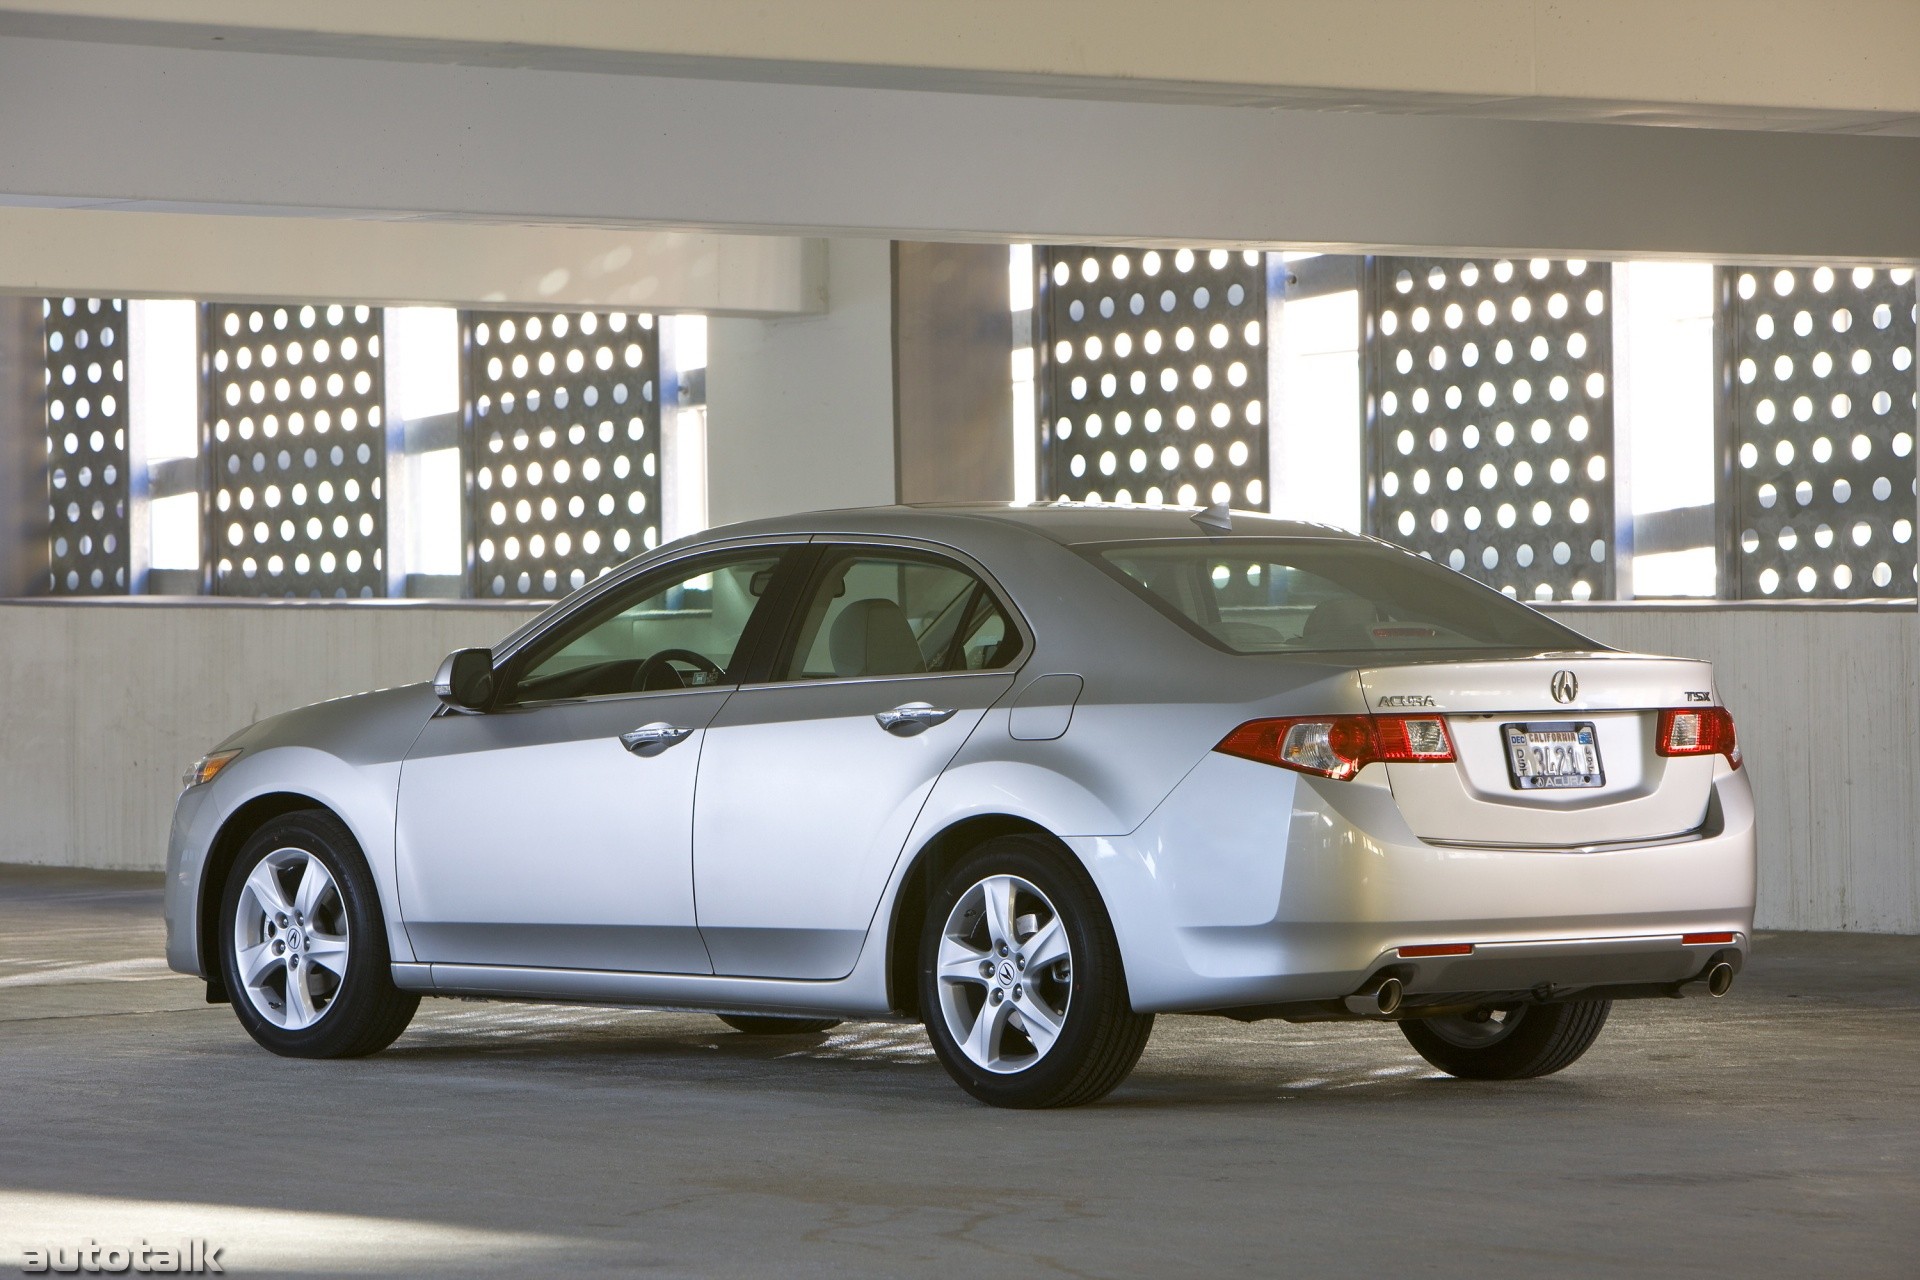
x=1005 y=973
x=290 y=939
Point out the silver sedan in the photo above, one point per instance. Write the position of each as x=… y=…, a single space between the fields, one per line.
x=1029 y=775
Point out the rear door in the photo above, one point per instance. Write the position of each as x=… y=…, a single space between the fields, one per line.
x=809 y=783
x=1554 y=751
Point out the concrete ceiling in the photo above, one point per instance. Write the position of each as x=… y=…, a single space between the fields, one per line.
x=1795 y=65
x=1510 y=126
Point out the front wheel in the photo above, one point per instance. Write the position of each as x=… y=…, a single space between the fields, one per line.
x=1021 y=982
x=1514 y=1043
x=303 y=944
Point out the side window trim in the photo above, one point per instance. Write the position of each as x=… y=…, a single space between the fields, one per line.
x=826 y=551
x=772 y=627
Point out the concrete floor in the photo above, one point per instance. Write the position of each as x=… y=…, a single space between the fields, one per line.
x=1774 y=1133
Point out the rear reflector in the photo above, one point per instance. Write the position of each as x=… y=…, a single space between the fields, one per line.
x=1705 y=939
x=1697 y=731
x=1341 y=746
x=1440 y=949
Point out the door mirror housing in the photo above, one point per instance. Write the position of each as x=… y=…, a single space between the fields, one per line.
x=465 y=680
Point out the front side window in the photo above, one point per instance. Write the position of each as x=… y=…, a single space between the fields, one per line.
x=1281 y=595
x=680 y=630
x=877 y=613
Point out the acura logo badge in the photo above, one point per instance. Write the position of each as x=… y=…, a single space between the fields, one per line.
x=1565 y=686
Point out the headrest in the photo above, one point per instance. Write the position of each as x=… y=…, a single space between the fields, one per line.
x=1342 y=621
x=874 y=638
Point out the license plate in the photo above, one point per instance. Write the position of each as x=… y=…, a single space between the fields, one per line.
x=1554 y=754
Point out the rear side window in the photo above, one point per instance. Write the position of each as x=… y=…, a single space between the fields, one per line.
x=884 y=613
x=1301 y=595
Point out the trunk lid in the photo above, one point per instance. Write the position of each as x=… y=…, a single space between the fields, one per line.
x=1476 y=799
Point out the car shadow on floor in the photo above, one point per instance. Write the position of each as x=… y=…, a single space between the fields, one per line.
x=1193 y=1062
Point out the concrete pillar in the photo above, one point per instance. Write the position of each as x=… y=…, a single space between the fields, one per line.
x=800 y=410
x=23 y=449
x=952 y=383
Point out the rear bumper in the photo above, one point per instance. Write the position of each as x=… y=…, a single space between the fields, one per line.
x=1256 y=886
x=1565 y=964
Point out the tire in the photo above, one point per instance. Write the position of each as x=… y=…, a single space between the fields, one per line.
x=1530 y=1040
x=325 y=932
x=768 y=1024
x=1049 y=903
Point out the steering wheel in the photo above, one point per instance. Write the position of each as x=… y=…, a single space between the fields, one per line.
x=650 y=670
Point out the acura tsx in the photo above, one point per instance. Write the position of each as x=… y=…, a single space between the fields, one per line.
x=1030 y=775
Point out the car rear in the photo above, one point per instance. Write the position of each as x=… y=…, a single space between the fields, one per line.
x=1494 y=807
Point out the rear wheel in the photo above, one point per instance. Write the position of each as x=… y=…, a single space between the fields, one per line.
x=1515 y=1042
x=1021 y=983
x=768 y=1024
x=303 y=944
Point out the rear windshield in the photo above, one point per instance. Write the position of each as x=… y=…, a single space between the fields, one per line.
x=1302 y=595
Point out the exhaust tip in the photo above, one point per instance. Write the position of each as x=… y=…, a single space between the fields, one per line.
x=1720 y=979
x=1377 y=999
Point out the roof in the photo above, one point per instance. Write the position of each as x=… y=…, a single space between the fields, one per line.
x=1064 y=523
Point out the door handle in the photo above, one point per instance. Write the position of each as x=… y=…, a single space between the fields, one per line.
x=912 y=717
x=659 y=734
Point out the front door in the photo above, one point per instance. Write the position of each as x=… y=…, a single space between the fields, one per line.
x=810 y=784
x=555 y=829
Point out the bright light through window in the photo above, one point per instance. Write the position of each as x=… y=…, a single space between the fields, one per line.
x=1026 y=448
x=1663 y=406
x=689 y=342
x=163 y=379
x=1674 y=573
x=684 y=489
x=1316 y=443
x=176 y=531
x=423 y=362
x=433 y=515
x=1020 y=278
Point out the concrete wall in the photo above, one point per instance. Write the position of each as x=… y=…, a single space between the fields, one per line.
x=800 y=410
x=106 y=703
x=23 y=448
x=953 y=400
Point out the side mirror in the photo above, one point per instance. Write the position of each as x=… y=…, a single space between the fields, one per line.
x=465 y=679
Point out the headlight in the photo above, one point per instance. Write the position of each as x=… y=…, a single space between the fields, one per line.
x=208 y=767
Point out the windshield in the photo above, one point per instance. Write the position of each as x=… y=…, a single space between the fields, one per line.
x=1305 y=595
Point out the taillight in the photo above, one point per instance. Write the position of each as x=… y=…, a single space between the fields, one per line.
x=1341 y=746
x=1697 y=731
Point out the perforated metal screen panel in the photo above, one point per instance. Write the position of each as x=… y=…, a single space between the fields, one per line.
x=1489 y=419
x=1153 y=380
x=1819 y=429
x=295 y=450
x=562 y=448
x=87 y=458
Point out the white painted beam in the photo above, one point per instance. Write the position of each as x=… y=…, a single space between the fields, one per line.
x=1794 y=64
x=162 y=255
x=169 y=129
